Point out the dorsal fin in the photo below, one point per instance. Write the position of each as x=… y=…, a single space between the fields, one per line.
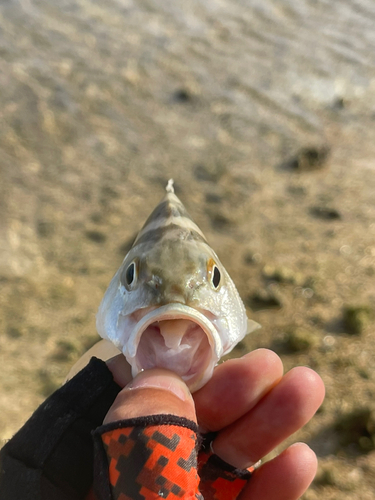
x=169 y=188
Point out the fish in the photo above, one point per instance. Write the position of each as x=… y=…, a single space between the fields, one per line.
x=171 y=303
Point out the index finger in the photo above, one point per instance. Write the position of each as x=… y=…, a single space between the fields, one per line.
x=236 y=387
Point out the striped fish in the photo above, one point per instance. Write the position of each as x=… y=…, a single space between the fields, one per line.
x=171 y=303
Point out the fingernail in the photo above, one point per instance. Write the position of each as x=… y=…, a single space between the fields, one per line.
x=161 y=379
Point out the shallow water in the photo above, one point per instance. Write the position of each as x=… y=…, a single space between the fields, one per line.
x=269 y=74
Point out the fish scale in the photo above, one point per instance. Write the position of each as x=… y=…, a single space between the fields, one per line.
x=171 y=276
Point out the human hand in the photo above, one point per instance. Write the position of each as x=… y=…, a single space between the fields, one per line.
x=251 y=405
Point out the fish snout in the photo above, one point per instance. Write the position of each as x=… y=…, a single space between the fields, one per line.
x=173 y=295
x=176 y=290
x=167 y=293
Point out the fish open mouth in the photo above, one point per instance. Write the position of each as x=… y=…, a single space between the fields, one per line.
x=178 y=338
x=177 y=344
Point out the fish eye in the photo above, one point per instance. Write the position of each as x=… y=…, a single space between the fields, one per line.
x=213 y=273
x=130 y=274
x=216 y=276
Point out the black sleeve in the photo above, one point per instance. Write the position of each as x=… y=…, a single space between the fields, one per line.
x=51 y=456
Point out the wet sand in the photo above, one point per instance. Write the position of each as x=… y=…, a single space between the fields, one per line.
x=268 y=132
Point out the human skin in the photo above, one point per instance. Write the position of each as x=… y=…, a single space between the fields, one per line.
x=252 y=406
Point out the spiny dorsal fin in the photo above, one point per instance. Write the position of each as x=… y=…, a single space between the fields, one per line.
x=169 y=188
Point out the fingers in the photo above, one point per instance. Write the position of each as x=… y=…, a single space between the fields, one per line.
x=284 y=410
x=235 y=387
x=153 y=392
x=286 y=477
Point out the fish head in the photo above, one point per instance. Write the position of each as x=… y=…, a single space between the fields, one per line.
x=172 y=304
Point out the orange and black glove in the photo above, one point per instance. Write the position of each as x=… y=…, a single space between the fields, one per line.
x=154 y=455
x=51 y=457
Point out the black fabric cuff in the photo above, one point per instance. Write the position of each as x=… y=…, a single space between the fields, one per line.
x=146 y=421
x=215 y=462
x=51 y=456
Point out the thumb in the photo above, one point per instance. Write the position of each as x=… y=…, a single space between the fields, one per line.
x=153 y=392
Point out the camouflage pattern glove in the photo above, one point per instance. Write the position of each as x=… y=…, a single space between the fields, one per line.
x=154 y=457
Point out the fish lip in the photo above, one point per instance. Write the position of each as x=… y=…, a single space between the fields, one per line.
x=173 y=311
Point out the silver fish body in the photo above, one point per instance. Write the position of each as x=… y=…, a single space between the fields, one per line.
x=171 y=303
